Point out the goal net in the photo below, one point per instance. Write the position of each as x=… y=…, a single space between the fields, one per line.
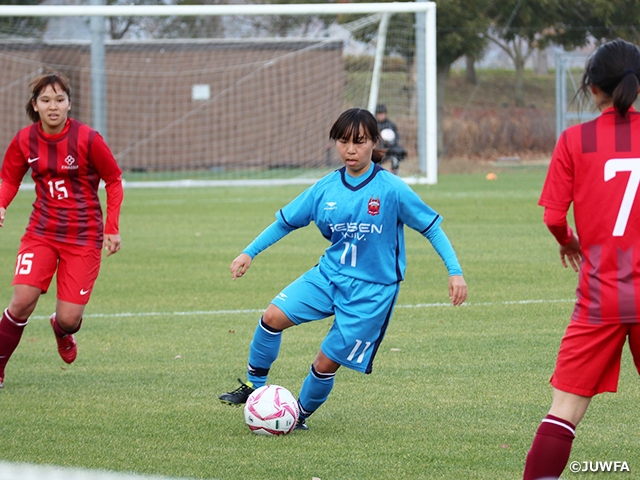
x=223 y=92
x=571 y=106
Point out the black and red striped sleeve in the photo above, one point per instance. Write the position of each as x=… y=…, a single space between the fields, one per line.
x=110 y=172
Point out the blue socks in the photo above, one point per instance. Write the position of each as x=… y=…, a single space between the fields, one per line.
x=263 y=351
x=314 y=392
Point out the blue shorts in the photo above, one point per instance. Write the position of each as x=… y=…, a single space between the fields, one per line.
x=362 y=312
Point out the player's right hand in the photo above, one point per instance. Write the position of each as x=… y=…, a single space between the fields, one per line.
x=457 y=290
x=2 y=214
x=240 y=265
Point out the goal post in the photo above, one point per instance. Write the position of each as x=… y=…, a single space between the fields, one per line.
x=240 y=98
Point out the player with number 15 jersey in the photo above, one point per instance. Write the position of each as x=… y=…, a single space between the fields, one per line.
x=67 y=168
x=66 y=230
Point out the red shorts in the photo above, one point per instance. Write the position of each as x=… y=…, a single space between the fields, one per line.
x=77 y=267
x=589 y=358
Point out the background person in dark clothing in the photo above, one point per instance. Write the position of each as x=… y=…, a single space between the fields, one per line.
x=389 y=139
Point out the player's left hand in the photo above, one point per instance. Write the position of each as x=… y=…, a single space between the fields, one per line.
x=112 y=243
x=457 y=290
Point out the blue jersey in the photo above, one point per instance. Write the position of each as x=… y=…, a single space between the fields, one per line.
x=364 y=223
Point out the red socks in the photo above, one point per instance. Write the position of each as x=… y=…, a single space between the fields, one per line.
x=551 y=448
x=11 y=329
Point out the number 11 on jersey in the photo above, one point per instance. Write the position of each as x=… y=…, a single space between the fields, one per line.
x=354 y=254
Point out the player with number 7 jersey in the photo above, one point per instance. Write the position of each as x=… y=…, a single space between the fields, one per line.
x=596 y=167
x=66 y=230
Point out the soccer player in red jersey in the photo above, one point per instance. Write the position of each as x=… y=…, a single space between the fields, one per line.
x=595 y=166
x=66 y=231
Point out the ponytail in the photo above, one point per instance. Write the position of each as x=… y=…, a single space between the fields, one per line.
x=625 y=92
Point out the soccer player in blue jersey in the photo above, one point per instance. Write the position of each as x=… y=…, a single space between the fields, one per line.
x=361 y=209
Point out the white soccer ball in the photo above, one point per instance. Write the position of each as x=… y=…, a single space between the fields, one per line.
x=388 y=135
x=271 y=410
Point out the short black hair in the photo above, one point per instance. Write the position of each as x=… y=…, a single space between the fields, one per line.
x=381 y=108
x=357 y=124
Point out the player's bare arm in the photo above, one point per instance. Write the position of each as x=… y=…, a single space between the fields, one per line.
x=240 y=265
x=457 y=290
x=3 y=211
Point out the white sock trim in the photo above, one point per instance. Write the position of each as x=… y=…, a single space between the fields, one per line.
x=321 y=375
x=555 y=422
x=266 y=330
x=6 y=314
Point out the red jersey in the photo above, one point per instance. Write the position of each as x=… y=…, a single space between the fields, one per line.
x=596 y=166
x=67 y=168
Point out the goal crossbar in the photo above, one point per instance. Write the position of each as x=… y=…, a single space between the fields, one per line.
x=195 y=10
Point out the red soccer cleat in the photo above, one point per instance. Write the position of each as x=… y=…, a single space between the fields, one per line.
x=66 y=345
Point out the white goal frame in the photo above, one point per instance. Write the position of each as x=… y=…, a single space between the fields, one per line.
x=427 y=133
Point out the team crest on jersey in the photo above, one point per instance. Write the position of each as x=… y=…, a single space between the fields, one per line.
x=70 y=163
x=374 y=206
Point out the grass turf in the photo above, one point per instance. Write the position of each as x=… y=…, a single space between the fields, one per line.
x=456 y=393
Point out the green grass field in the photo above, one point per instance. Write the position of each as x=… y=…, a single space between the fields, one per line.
x=456 y=393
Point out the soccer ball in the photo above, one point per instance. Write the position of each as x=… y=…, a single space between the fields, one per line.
x=388 y=135
x=271 y=410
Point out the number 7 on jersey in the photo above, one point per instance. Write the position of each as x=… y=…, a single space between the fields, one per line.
x=611 y=168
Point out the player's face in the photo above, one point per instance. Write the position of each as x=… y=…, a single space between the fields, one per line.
x=53 y=106
x=356 y=153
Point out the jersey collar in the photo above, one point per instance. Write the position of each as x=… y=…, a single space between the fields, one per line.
x=54 y=136
x=372 y=173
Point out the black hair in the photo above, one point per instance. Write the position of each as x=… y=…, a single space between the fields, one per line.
x=615 y=69
x=356 y=124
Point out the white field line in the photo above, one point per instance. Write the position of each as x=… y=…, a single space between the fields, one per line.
x=197 y=313
x=25 y=471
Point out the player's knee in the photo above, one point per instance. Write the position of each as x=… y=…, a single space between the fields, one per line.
x=22 y=306
x=324 y=365
x=276 y=319
x=70 y=323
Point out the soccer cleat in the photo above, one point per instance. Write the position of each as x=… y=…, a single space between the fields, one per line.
x=66 y=345
x=301 y=424
x=239 y=395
